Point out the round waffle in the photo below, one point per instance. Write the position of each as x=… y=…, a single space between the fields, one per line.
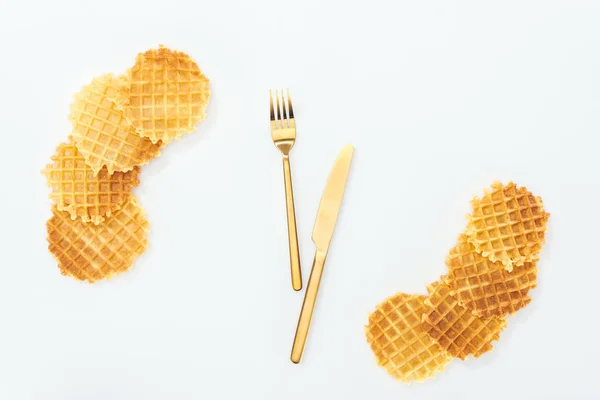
x=485 y=287
x=101 y=132
x=91 y=252
x=508 y=224
x=77 y=190
x=399 y=342
x=165 y=95
x=455 y=328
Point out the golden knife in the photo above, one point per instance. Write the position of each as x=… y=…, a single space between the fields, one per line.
x=327 y=215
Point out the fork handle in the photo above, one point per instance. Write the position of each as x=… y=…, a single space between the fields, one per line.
x=291 y=222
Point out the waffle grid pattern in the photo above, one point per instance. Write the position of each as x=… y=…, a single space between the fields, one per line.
x=165 y=95
x=508 y=225
x=484 y=287
x=491 y=270
x=101 y=132
x=77 y=190
x=455 y=328
x=97 y=227
x=93 y=252
x=399 y=343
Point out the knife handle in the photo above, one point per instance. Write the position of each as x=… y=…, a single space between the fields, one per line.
x=291 y=222
x=308 y=306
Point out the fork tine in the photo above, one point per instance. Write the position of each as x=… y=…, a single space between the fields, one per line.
x=285 y=111
x=282 y=117
x=290 y=109
x=271 y=104
x=279 y=113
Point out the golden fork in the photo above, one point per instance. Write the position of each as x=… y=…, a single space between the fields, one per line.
x=283 y=131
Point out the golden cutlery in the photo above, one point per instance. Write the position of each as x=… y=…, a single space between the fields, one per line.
x=283 y=131
x=327 y=215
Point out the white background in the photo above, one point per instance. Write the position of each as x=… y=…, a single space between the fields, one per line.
x=440 y=98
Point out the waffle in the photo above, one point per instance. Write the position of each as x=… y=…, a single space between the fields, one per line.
x=399 y=342
x=165 y=94
x=508 y=224
x=77 y=190
x=90 y=252
x=101 y=132
x=485 y=287
x=455 y=328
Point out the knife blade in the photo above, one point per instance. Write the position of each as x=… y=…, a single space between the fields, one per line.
x=331 y=200
x=327 y=215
